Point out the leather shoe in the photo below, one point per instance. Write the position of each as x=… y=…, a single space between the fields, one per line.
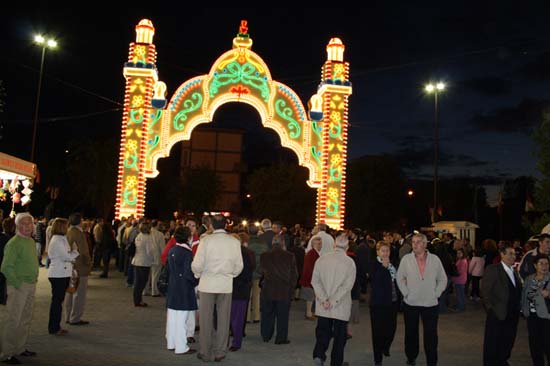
x=286 y=341
x=191 y=340
x=233 y=349
x=27 y=353
x=190 y=351
x=310 y=317
x=60 y=332
x=219 y=358
x=80 y=322
x=387 y=353
x=12 y=361
x=142 y=305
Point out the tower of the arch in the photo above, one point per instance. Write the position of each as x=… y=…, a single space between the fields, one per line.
x=151 y=124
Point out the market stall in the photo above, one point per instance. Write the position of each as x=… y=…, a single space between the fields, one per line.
x=16 y=179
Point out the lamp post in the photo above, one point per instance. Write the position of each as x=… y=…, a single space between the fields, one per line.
x=44 y=43
x=435 y=89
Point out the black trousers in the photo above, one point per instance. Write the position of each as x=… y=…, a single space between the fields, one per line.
x=140 y=280
x=499 y=339
x=429 y=316
x=475 y=286
x=326 y=329
x=106 y=259
x=539 y=339
x=271 y=311
x=383 y=325
x=59 y=287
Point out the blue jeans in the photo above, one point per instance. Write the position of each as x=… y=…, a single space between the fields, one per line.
x=460 y=300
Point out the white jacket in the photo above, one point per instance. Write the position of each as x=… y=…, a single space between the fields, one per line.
x=61 y=257
x=217 y=261
x=144 y=250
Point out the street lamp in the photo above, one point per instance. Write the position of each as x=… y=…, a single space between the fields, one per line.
x=44 y=43
x=435 y=89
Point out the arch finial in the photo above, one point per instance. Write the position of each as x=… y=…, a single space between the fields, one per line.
x=243 y=39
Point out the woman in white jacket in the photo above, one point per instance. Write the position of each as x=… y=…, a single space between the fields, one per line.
x=60 y=270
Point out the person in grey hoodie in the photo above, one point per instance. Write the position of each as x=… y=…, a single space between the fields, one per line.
x=421 y=279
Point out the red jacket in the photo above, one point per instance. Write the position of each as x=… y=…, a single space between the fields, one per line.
x=309 y=263
x=172 y=243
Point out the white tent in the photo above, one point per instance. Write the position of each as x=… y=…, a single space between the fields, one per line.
x=460 y=229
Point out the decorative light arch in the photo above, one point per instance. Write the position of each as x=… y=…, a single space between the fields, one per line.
x=151 y=125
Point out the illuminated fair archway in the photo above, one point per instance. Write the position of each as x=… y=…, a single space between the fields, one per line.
x=151 y=124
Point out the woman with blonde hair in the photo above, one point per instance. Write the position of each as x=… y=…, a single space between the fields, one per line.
x=61 y=257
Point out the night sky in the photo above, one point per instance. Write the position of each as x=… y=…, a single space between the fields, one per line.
x=495 y=60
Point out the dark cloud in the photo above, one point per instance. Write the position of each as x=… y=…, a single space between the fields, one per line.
x=489 y=86
x=413 y=158
x=521 y=118
x=538 y=69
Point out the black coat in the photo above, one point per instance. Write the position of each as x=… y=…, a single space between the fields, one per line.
x=280 y=274
x=243 y=282
x=181 y=280
x=381 y=285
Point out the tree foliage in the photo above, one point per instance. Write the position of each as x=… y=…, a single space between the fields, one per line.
x=198 y=189
x=375 y=193
x=92 y=175
x=541 y=137
x=280 y=192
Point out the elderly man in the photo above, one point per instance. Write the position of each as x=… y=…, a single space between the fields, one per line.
x=328 y=241
x=74 y=303
x=21 y=270
x=279 y=272
x=332 y=280
x=217 y=262
x=421 y=279
x=501 y=288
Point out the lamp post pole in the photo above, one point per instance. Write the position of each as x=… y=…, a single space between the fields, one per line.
x=435 y=89
x=44 y=44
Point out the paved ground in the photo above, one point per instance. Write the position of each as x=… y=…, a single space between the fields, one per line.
x=120 y=334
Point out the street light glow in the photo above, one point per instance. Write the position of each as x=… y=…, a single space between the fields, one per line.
x=429 y=88
x=53 y=44
x=39 y=39
x=410 y=192
x=440 y=86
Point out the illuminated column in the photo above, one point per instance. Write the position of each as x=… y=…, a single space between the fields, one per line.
x=141 y=75
x=335 y=90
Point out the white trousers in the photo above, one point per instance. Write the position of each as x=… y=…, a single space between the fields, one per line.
x=176 y=330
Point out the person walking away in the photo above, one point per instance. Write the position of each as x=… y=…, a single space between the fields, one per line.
x=460 y=280
x=501 y=288
x=258 y=246
x=181 y=300
x=280 y=274
x=218 y=260
x=75 y=302
x=476 y=268
x=332 y=280
x=421 y=279
x=307 y=293
x=384 y=302
x=241 y=295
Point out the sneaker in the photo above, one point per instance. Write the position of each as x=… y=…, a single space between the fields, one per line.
x=27 y=353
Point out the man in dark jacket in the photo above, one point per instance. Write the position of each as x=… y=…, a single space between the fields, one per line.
x=278 y=268
x=526 y=266
x=501 y=288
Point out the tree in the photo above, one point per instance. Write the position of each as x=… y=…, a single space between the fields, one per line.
x=92 y=176
x=280 y=192
x=198 y=190
x=541 y=137
x=375 y=193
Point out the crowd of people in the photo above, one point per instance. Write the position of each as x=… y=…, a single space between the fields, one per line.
x=217 y=278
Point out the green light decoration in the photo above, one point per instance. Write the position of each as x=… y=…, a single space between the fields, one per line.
x=335 y=175
x=335 y=130
x=131 y=161
x=136 y=116
x=129 y=198
x=155 y=118
x=152 y=144
x=235 y=73
x=332 y=208
x=286 y=114
x=155 y=139
x=316 y=129
x=189 y=106
x=316 y=155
